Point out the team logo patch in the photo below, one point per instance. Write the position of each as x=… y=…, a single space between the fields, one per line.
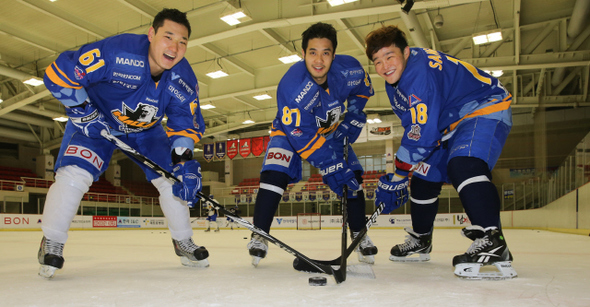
x=332 y=117
x=79 y=73
x=414 y=133
x=414 y=100
x=279 y=156
x=85 y=154
x=143 y=117
x=297 y=132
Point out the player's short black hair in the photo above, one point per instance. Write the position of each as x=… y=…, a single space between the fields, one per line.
x=385 y=37
x=172 y=15
x=319 y=30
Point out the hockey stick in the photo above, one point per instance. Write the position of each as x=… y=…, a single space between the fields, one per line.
x=322 y=268
x=344 y=216
x=302 y=266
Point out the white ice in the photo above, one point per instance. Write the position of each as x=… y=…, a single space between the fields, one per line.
x=140 y=268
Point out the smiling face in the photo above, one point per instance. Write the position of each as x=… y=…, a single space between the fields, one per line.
x=167 y=46
x=390 y=62
x=318 y=58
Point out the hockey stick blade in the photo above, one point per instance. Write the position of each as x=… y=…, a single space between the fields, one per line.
x=318 y=267
x=304 y=267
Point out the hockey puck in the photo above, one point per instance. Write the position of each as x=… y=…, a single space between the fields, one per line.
x=318 y=281
x=245 y=238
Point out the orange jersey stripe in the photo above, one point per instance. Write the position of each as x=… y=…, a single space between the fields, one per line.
x=57 y=80
x=504 y=105
x=315 y=147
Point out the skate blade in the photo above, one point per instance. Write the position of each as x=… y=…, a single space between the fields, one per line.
x=411 y=258
x=195 y=264
x=256 y=260
x=472 y=271
x=369 y=259
x=47 y=271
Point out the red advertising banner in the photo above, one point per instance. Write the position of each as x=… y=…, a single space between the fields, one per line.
x=257 y=146
x=104 y=221
x=245 y=147
x=232 y=148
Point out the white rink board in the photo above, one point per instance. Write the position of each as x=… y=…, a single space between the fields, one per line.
x=33 y=221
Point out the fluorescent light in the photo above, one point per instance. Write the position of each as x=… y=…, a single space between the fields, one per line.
x=497 y=73
x=494 y=37
x=34 y=81
x=217 y=74
x=262 y=97
x=207 y=107
x=233 y=18
x=480 y=39
x=1 y=100
x=61 y=119
x=248 y=121
x=377 y=121
x=340 y=2
x=489 y=37
x=290 y=59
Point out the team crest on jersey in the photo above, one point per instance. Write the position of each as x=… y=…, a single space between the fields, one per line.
x=79 y=73
x=414 y=100
x=414 y=133
x=297 y=132
x=332 y=117
x=143 y=117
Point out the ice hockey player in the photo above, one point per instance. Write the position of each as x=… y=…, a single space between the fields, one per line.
x=124 y=85
x=229 y=221
x=211 y=216
x=456 y=120
x=310 y=100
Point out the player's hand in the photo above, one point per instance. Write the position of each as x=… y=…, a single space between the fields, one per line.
x=337 y=174
x=89 y=120
x=189 y=173
x=351 y=126
x=392 y=191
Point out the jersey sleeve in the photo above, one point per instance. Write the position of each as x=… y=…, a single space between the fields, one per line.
x=296 y=100
x=421 y=134
x=72 y=71
x=185 y=125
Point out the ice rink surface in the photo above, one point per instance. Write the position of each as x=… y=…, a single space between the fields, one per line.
x=140 y=268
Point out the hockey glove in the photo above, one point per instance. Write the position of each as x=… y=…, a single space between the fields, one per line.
x=338 y=174
x=351 y=126
x=190 y=174
x=89 y=120
x=393 y=191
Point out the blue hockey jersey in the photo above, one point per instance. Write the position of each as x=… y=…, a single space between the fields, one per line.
x=114 y=74
x=307 y=113
x=435 y=93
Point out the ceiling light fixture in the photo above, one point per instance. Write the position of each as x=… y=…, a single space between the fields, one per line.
x=61 y=119
x=340 y=2
x=207 y=107
x=248 y=121
x=487 y=37
x=235 y=17
x=262 y=97
x=290 y=59
x=34 y=81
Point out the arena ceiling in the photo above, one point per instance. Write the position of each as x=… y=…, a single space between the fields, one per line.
x=544 y=52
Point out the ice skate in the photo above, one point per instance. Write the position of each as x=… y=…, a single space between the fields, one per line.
x=366 y=250
x=257 y=248
x=208 y=229
x=50 y=257
x=191 y=254
x=488 y=248
x=415 y=244
x=216 y=230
